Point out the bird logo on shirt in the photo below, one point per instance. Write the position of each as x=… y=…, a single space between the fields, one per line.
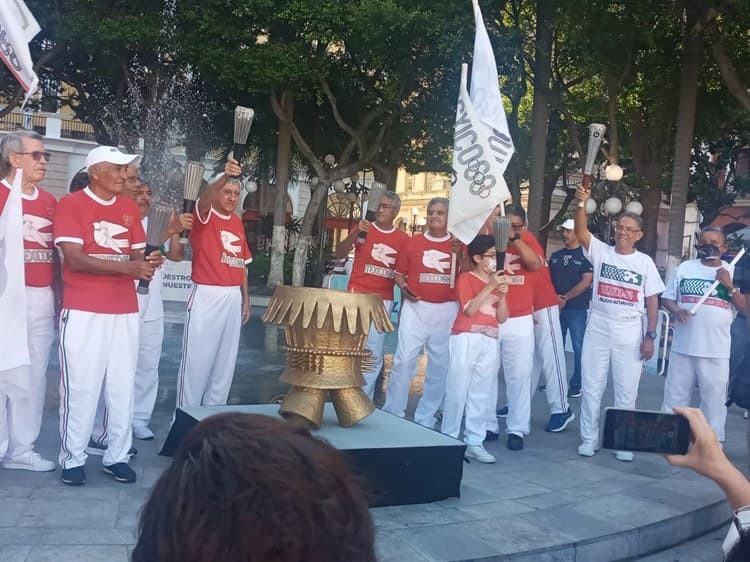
x=228 y=239
x=435 y=259
x=104 y=235
x=32 y=225
x=510 y=265
x=382 y=253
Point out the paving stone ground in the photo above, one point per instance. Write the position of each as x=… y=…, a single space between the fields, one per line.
x=544 y=503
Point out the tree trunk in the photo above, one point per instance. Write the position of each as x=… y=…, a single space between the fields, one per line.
x=278 y=237
x=651 y=200
x=387 y=174
x=540 y=112
x=305 y=238
x=691 y=66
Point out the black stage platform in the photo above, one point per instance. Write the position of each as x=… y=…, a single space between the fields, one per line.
x=402 y=462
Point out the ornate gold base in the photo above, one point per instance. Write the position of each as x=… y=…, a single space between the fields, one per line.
x=326 y=332
x=306 y=405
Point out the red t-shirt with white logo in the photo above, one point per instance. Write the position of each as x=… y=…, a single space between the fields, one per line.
x=426 y=263
x=484 y=321
x=107 y=230
x=38 y=217
x=375 y=261
x=520 y=295
x=543 y=290
x=220 y=250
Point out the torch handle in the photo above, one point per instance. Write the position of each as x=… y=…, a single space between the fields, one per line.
x=143 y=284
x=500 y=261
x=188 y=205
x=369 y=217
x=586 y=185
x=238 y=151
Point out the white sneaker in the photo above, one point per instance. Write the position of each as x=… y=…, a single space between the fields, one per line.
x=479 y=453
x=587 y=449
x=32 y=461
x=624 y=456
x=142 y=432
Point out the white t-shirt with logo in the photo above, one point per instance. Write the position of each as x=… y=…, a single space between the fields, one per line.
x=621 y=281
x=707 y=334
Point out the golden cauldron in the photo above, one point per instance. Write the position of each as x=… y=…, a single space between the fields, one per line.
x=326 y=332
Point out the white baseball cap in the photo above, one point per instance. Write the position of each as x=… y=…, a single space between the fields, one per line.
x=569 y=224
x=109 y=154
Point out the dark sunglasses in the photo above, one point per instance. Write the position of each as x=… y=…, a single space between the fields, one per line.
x=37 y=155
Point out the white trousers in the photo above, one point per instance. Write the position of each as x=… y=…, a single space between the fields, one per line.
x=147 y=371
x=474 y=362
x=549 y=359
x=516 y=344
x=609 y=343
x=146 y=380
x=95 y=349
x=209 y=345
x=712 y=377
x=421 y=323
x=21 y=407
x=375 y=343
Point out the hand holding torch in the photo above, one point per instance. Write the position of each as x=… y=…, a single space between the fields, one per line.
x=596 y=135
x=158 y=220
x=191 y=187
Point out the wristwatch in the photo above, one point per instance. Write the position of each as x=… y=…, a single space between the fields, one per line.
x=733 y=291
x=651 y=335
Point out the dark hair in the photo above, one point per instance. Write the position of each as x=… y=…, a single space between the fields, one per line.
x=480 y=245
x=516 y=210
x=79 y=181
x=245 y=488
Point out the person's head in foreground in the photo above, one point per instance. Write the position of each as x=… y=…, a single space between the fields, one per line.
x=248 y=488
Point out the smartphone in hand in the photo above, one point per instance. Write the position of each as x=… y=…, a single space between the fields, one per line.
x=646 y=431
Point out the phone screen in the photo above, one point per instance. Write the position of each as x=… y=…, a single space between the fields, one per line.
x=646 y=431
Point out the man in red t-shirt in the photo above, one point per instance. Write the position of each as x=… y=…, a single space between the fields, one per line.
x=549 y=346
x=219 y=305
x=374 y=269
x=517 y=333
x=423 y=273
x=101 y=238
x=21 y=407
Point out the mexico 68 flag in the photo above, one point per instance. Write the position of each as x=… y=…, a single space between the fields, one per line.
x=14 y=348
x=17 y=28
x=482 y=146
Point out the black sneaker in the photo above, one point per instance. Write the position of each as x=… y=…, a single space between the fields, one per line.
x=515 y=442
x=574 y=392
x=542 y=388
x=98 y=449
x=502 y=412
x=491 y=436
x=121 y=472
x=75 y=476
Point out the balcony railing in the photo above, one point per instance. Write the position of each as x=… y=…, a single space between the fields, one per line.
x=52 y=126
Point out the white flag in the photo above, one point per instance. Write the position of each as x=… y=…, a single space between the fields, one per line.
x=482 y=146
x=17 y=28
x=14 y=346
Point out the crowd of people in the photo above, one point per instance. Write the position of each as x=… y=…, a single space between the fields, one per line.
x=481 y=322
x=111 y=336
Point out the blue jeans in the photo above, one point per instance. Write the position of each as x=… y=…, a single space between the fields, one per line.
x=573 y=320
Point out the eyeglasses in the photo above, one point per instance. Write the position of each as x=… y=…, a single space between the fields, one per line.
x=37 y=155
x=489 y=255
x=628 y=229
